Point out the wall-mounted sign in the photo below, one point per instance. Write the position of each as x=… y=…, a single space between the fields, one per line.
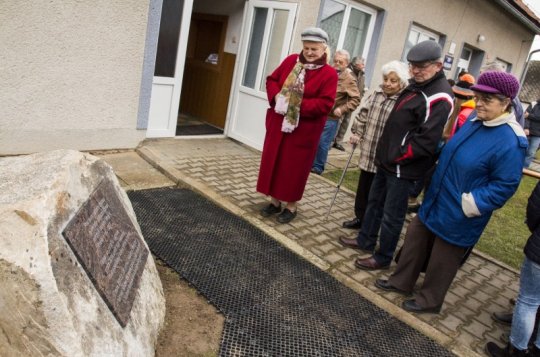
x=448 y=61
x=452 y=48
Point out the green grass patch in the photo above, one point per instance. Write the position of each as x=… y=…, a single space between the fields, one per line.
x=350 y=181
x=506 y=233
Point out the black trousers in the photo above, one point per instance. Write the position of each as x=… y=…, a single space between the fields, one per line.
x=362 y=193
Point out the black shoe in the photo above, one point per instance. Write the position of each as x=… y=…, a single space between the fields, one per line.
x=504 y=318
x=269 y=210
x=495 y=351
x=412 y=306
x=354 y=223
x=286 y=216
x=315 y=171
x=339 y=147
x=385 y=285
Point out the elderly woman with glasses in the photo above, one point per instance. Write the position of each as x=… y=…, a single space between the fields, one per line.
x=301 y=93
x=478 y=171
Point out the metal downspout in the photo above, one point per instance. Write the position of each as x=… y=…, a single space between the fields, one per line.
x=524 y=73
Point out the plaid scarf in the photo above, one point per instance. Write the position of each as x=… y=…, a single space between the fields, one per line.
x=289 y=99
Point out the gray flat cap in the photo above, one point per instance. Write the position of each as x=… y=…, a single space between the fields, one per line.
x=314 y=34
x=424 y=51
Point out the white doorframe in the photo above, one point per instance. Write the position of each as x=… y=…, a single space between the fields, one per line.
x=247 y=112
x=165 y=98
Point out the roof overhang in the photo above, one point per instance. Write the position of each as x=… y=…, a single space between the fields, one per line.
x=522 y=13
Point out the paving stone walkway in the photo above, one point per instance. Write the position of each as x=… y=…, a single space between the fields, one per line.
x=226 y=172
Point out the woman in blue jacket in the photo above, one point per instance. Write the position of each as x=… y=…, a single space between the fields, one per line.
x=478 y=171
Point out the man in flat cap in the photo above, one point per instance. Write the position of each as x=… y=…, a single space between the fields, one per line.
x=407 y=150
x=347 y=99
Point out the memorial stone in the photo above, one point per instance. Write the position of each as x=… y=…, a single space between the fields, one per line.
x=77 y=278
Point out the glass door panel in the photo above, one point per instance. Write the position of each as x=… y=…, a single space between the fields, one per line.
x=275 y=45
x=254 y=47
x=331 y=21
x=355 y=37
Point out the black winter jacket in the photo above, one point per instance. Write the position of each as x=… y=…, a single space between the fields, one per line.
x=410 y=140
x=532 y=122
x=532 y=248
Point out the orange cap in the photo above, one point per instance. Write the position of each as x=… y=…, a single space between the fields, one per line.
x=467 y=78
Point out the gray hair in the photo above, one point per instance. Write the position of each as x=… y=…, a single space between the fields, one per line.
x=492 y=66
x=400 y=69
x=358 y=60
x=344 y=53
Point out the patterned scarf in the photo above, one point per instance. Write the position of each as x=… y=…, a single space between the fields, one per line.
x=289 y=99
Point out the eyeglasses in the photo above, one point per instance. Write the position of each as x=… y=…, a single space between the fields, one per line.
x=420 y=65
x=487 y=98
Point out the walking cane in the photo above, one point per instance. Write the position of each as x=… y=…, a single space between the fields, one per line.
x=340 y=181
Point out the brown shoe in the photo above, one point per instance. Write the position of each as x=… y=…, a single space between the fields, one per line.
x=352 y=243
x=369 y=264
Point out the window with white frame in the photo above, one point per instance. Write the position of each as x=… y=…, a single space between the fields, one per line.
x=416 y=35
x=349 y=27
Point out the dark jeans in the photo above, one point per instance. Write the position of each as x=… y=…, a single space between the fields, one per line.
x=362 y=193
x=422 y=184
x=387 y=206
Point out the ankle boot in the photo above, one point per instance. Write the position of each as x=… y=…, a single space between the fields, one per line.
x=509 y=351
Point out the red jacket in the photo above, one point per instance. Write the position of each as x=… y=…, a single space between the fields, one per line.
x=287 y=157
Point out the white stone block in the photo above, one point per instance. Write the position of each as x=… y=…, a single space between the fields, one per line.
x=48 y=304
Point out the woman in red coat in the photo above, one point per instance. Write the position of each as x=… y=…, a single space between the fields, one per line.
x=301 y=93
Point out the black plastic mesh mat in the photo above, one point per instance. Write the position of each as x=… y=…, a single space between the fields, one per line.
x=275 y=302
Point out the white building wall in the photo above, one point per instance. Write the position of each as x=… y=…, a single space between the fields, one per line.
x=70 y=73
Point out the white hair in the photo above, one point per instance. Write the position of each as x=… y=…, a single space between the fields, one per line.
x=344 y=53
x=400 y=69
x=492 y=66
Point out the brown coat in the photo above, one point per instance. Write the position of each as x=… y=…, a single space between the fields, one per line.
x=347 y=95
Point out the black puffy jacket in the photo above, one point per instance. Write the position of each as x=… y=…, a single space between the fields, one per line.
x=410 y=140
x=532 y=248
x=532 y=122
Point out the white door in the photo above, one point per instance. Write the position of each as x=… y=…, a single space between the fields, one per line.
x=167 y=82
x=266 y=41
x=464 y=61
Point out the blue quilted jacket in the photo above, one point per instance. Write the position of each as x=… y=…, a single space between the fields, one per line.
x=478 y=171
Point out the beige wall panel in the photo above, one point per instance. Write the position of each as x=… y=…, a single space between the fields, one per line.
x=461 y=21
x=71 y=73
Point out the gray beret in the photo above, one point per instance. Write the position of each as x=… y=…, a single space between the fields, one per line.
x=314 y=34
x=424 y=51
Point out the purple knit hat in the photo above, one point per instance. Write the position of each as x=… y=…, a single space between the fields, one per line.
x=497 y=83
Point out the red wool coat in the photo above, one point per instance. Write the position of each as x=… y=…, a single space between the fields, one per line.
x=287 y=157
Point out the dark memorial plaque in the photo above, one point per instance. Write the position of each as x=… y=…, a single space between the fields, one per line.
x=109 y=248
